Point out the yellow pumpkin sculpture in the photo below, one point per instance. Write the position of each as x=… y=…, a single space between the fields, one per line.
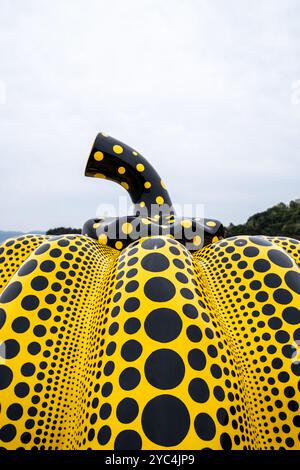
x=110 y=340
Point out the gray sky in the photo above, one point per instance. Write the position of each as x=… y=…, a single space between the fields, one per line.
x=202 y=88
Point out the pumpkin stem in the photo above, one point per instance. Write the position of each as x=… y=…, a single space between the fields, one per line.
x=113 y=160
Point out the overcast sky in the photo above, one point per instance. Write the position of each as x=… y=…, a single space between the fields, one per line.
x=202 y=88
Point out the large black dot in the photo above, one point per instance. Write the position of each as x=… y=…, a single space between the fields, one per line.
x=164 y=369
x=30 y=302
x=280 y=259
x=282 y=296
x=163 y=325
x=39 y=283
x=14 y=411
x=21 y=389
x=292 y=279
x=272 y=280
x=7 y=433
x=198 y=390
x=9 y=349
x=127 y=410
x=291 y=315
x=153 y=243
x=2 y=317
x=159 y=289
x=27 y=267
x=6 y=376
x=165 y=420
x=128 y=440
x=20 y=324
x=129 y=378
x=205 y=426
x=155 y=262
x=11 y=292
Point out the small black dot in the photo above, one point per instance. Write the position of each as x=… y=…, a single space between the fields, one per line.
x=205 y=426
x=198 y=390
x=11 y=292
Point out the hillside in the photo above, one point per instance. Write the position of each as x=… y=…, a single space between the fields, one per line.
x=282 y=220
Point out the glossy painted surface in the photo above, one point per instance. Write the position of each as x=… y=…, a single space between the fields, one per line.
x=152 y=346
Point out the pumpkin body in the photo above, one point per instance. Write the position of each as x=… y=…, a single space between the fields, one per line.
x=151 y=347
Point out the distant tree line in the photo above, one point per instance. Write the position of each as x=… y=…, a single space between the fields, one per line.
x=280 y=220
x=63 y=230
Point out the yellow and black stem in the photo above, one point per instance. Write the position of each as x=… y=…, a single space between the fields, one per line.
x=154 y=214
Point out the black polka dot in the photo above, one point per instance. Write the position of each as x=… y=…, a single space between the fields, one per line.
x=14 y=411
x=165 y=420
x=190 y=311
x=2 y=317
x=105 y=411
x=9 y=349
x=104 y=435
x=128 y=440
x=292 y=279
x=198 y=390
x=27 y=267
x=47 y=266
x=280 y=259
x=194 y=333
x=251 y=251
x=28 y=369
x=225 y=441
x=197 y=359
x=39 y=283
x=153 y=243
x=7 y=433
x=155 y=262
x=163 y=325
x=30 y=302
x=272 y=280
x=132 y=325
x=205 y=426
x=21 y=389
x=20 y=324
x=6 y=376
x=159 y=289
x=127 y=410
x=131 y=350
x=282 y=296
x=129 y=378
x=11 y=292
x=164 y=369
x=291 y=315
x=131 y=304
x=261 y=265
x=222 y=416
